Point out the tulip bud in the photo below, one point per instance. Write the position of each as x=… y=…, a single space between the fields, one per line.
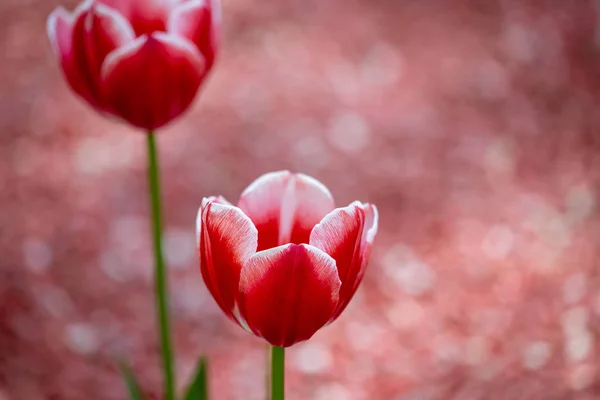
x=141 y=61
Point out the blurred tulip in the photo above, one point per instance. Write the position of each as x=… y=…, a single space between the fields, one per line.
x=142 y=61
x=284 y=262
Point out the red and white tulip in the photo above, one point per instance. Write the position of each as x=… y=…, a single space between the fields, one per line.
x=140 y=60
x=284 y=262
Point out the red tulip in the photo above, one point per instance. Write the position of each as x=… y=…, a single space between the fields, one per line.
x=284 y=262
x=142 y=61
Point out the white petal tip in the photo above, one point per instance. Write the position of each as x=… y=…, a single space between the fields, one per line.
x=263 y=179
x=314 y=182
x=205 y=201
x=374 y=223
x=121 y=22
x=113 y=58
x=59 y=13
x=199 y=224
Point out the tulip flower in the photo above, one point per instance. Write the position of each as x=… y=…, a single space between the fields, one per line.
x=284 y=262
x=141 y=61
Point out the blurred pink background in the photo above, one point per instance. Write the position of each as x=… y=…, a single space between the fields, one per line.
x=472 y=125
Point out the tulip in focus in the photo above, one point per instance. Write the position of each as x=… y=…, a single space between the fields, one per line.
x=142 y=61
x=284 y=262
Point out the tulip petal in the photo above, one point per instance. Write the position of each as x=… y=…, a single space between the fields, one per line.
x=285 y=207
x=347 y=234
x=288 y=293
x=205 y=201
x=227 y=239
x=103 y=30
x=199 y=22
x=153 y=79
x=60 y=32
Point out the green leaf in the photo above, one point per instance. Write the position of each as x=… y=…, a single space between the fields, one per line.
x=198 y=389
x=135 y=393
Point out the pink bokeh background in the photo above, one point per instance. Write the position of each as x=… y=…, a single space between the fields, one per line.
x=472 y=125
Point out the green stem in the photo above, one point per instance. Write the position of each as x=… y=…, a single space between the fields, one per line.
x=277 y=373
x=160 y=275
